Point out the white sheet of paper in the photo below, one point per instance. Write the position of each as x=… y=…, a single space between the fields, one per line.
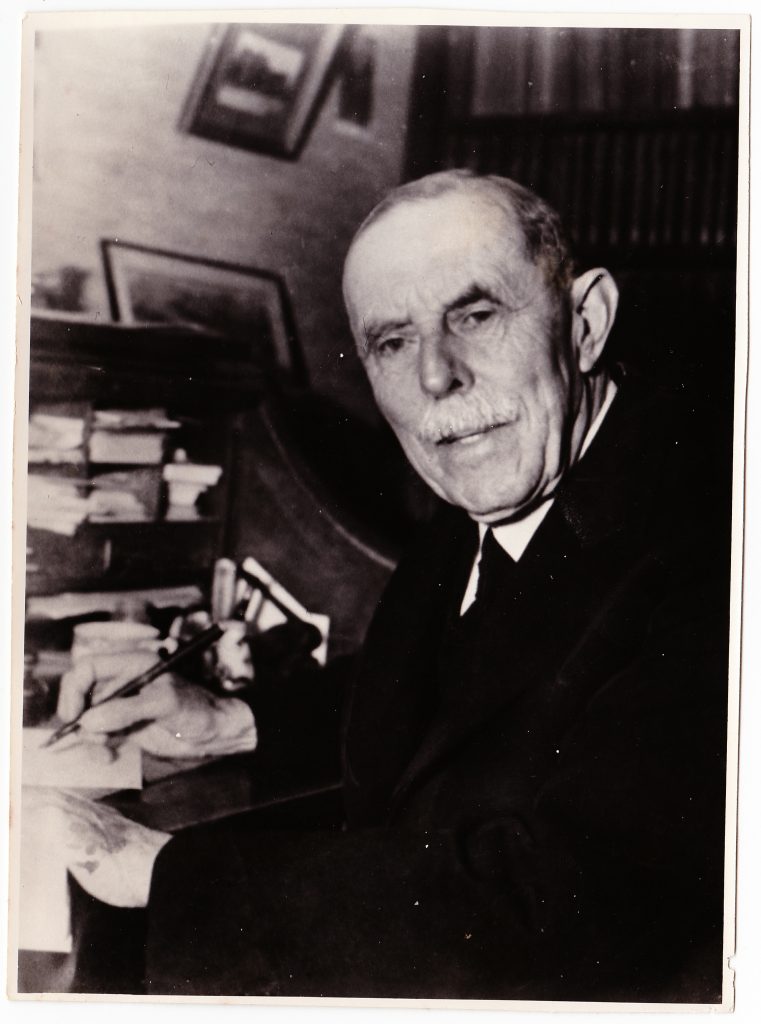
x=75 y=764
x=44 y=913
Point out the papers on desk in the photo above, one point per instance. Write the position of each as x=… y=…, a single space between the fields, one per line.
x=71 y=605
x=73 y=763
x=44 y=913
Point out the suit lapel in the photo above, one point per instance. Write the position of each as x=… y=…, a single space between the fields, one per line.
x=515 y=644
x=394 y=694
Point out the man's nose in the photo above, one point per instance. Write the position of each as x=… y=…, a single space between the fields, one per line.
x=441 y=367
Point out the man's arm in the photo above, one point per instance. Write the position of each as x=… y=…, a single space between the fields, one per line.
x=109 y=855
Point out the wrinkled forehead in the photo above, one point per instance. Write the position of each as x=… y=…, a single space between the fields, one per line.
x=430 y=243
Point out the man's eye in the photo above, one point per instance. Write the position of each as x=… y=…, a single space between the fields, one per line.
x=388 y=346
x=473 y=317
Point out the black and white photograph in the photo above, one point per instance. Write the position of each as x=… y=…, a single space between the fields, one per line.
x=378 y=509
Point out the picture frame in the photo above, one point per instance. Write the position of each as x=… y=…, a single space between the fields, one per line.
x=259 y=86
x=248 y=305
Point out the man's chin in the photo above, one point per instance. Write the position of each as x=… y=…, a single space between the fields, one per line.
x=503 y=514
x=484 y=499
x=491 y=490
x=490 y=508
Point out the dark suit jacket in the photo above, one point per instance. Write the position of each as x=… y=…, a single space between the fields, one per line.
x=546 y=821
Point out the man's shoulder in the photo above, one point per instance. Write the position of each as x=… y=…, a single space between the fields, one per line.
x=661 y=460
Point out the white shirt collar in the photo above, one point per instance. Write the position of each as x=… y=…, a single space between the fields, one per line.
x=515 y=537
x=610 y=394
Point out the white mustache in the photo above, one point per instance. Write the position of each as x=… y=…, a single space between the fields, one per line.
x=458 y=416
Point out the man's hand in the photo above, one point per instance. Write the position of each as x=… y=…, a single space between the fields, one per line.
x=110 y=856
x=169 y=718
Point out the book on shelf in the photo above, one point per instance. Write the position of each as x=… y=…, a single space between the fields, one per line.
x=129 y=436
x=137 y=447
x=133 y=419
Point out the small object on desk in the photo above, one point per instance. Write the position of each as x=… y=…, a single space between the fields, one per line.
x=279 y=605
x=243 y=594
x=187 y=481
x=254 y=606
x=133 y=686
x=223 y=590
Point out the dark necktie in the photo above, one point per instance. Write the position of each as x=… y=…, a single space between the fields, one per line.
x=495 y=569
x=467 y=641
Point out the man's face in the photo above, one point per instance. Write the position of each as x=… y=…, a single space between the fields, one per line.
x=467 y=350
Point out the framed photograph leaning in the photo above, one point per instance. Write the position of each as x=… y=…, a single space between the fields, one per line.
x=258 y=85
x=156 y=286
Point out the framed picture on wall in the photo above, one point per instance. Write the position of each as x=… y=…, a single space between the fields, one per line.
x=259 y=86
x=248 y=305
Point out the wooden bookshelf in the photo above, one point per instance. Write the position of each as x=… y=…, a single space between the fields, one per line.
x=633 y=189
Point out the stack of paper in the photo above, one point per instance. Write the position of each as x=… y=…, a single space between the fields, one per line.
x=56 y=503
x=55 y=439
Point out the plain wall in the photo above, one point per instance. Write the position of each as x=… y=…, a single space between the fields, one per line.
x=110 y=162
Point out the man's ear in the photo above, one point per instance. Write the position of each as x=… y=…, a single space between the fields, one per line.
x=595 y=299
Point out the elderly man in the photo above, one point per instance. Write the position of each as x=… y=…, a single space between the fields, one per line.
x=535 y=732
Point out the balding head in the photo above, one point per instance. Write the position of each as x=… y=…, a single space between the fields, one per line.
x=546 y=242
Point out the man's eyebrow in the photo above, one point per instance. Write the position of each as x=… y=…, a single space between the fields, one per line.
x=373 y=330
x=475 y=293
